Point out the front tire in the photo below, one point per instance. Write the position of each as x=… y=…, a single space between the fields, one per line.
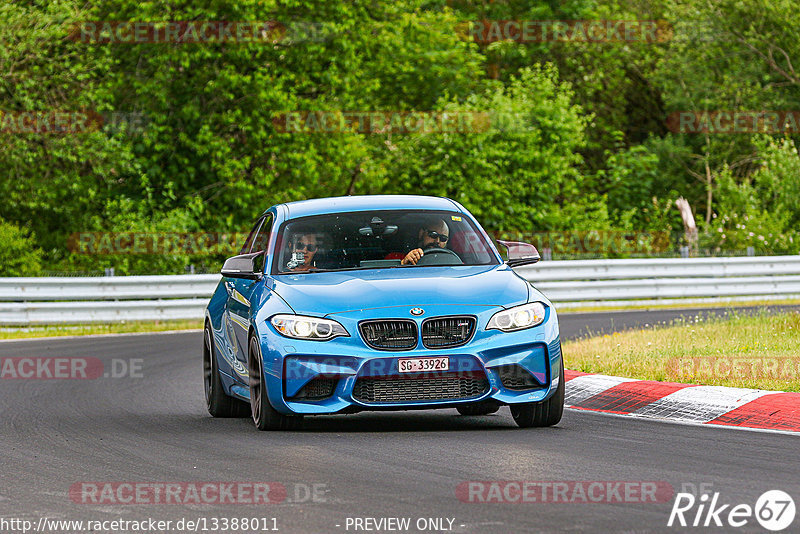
x=218 y=403
x=265 y=416
x=545 y=413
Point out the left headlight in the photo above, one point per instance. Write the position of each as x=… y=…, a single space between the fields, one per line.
x=517 y=318
x=302 y=327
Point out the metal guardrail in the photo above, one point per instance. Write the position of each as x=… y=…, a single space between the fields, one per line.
x=661 y=268
x=29 y=301
x=570 y=284
x=85 y=312
x=671 y=281
x=108 y=288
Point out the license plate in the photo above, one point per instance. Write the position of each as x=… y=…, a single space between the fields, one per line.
x=415 y=365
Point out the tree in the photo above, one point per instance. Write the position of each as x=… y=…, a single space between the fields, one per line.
x=520 y=174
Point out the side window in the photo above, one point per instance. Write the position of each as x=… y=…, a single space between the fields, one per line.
x=249 y=241
x=262 y=238
x=261 y=242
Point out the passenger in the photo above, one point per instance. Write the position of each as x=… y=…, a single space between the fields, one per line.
x=304 y=248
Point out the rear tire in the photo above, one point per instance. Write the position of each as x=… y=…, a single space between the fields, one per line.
x=545 y=413
x=218 y=403
x=265 y=416
x=478 y=409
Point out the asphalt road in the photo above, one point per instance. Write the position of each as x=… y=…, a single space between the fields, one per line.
x=154 y=428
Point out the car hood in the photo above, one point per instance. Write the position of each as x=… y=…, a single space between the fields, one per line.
x=338 y=292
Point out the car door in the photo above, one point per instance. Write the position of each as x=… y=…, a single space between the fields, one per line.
x=228 y=332
x=240 y=293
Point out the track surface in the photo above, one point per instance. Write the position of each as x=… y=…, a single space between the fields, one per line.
x=400 y=464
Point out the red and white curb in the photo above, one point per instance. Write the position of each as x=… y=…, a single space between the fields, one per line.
x=713 y=405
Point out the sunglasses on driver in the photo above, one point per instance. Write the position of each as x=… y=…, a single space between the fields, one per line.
x=436 y=235
x=311 y=247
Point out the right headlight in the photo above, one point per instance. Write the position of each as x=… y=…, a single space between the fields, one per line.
x=311 y=328
x=517 y=318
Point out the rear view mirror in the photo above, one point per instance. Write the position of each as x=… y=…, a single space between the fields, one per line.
x=520 y=253
x=243 y=266
x=378 y=228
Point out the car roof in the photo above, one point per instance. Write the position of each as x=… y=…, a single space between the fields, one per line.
x=320 y=206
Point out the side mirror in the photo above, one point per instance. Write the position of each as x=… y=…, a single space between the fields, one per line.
x=520 y=253
x=242 y=266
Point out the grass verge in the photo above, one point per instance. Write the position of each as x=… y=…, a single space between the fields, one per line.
x=85 y=330
x=681 y=305
x=758 y=351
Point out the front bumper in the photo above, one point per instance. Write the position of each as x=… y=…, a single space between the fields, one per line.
x=346 y=375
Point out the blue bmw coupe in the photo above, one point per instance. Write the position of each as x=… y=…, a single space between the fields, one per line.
x=340 y=305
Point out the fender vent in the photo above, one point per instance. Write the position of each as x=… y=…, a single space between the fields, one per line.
x=316 y=389
x=516 y=377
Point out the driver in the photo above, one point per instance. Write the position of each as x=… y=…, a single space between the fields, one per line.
x=433 y=235
x=304 y=248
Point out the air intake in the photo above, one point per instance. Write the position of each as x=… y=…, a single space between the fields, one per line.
x=389 y=334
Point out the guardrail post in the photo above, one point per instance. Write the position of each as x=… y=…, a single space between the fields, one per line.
x=751 y=251
x=109 y=271
x=684 y=251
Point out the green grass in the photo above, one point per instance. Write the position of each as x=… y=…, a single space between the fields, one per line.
x=667 y=306
x=748 y=350
x=85 y=330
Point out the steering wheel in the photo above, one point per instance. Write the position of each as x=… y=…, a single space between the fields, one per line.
x=439 y=256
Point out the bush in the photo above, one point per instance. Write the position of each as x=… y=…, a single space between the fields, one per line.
x=761 y=211
x=520 y=173
x=18 y=255
x=170 y=242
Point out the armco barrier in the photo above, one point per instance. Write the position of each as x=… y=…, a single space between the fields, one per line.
x=660 y=281
x=570 y=284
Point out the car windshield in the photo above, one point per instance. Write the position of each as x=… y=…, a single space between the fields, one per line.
x=379 y=240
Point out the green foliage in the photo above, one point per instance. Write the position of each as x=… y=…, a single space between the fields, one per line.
x=520 y=174
x=168 y=241
x=48 y=182
x=638 y=194
x=19 y=255
x=579 y=139
x=762 y=211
